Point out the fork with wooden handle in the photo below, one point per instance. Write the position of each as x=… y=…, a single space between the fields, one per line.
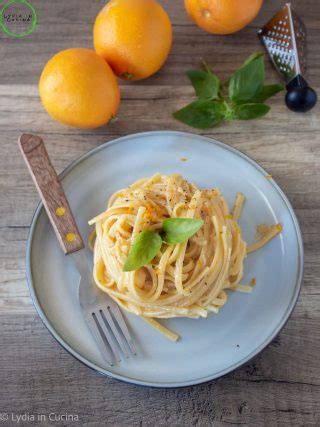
x=101 y=313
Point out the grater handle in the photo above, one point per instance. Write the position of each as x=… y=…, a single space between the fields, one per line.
x=300 y=96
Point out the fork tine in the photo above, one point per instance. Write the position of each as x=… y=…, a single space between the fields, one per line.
x=122 y=325
x=98 y=333
x=108 y=319
x=110 y=340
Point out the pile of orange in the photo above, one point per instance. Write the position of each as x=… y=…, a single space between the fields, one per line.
x=132 y=39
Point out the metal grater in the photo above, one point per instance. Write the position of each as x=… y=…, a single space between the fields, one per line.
x=284 y=38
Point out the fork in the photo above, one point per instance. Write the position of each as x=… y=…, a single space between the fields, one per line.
x=102 y=314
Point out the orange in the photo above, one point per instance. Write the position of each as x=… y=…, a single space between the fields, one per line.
x=223 y=16
x=133 y=36
x=78 y=88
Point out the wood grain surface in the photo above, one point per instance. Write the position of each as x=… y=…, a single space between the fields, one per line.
x=279 y=387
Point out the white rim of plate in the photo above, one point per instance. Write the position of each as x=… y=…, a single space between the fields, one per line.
x=127 y=379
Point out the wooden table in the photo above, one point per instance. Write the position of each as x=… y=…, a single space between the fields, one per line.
x=279 y=387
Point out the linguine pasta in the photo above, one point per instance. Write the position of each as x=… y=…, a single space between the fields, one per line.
x=188 y=279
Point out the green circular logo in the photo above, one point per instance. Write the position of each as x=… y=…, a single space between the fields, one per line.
x=18 y=18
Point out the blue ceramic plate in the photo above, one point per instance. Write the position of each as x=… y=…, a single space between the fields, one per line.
x=208 y=348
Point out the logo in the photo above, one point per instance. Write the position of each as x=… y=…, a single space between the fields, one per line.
x=18 y=18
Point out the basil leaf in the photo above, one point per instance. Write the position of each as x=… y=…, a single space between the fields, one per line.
x=251 y=111
x=206 y=84
x=177 y=230
x=202 y=114
x=143 y=250
x=252 y=57
x=266 y=92
x=247 y=81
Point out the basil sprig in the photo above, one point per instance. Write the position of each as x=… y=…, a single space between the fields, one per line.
x=148 y=243
x=244 y=100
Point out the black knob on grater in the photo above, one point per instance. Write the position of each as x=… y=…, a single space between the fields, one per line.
x=300 y=96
